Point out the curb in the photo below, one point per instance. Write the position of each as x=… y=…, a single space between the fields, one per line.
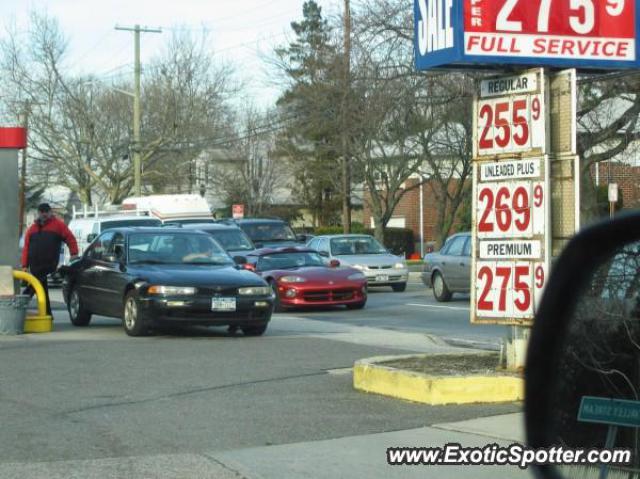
x=371 y=377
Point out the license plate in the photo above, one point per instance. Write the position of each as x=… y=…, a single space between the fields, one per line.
x=223 y=304
x=382 y=278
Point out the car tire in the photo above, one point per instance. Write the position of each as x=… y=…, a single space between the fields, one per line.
x=399 y=288
x=440 y=290
x=277 y=306
x=133 y=320
x=356 y=305
x=79 y=315
x=254 y=330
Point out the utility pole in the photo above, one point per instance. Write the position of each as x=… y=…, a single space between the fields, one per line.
x=346 y=166
x=137 y=161
x=22 y=195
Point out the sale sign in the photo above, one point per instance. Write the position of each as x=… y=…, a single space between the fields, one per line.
x=588 y=34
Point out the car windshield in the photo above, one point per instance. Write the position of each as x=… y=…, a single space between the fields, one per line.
x=269 y=232
x=176 y=248
x=232 y=240
x=356 y=245
x=289 y=260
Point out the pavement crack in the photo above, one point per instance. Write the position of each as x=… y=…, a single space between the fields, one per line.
x=238 y=474
x=190 y=392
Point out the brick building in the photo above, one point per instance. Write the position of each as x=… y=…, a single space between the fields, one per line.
x=626 y=175
x=407 y=213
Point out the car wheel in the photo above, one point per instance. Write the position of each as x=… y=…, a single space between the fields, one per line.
x=277 y=306
x=399 y=288
x=440 y=290
x=133 y=320
x=356 y=305
x=78 y=313
x=254 y=330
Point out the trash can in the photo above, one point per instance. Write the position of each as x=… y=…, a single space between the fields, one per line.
x=13 y=310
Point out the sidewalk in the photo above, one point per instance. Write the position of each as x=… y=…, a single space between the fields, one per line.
x=349 y=457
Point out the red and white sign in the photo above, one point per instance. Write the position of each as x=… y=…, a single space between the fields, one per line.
x=237 y=211
x=511 y=241
x=510 y=116
x=511 y=210
x=560 y=29
x=508 y=289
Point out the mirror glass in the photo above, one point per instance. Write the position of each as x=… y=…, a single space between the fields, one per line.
x=596 y=392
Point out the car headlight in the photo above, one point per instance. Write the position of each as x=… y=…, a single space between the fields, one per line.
x=255 y=291
x=400 y=265
x=359 y=266
x=292 y=279
x=356 y=277
x=172 y=290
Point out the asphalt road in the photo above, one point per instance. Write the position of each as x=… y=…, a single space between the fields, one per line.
x=90 y=393
x=416 y=310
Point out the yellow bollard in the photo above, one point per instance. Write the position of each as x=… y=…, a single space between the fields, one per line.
x=42 y=322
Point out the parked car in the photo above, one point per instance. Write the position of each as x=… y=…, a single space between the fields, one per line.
x=366 y=254
x=448 y=271
x=300 y=277
x=231 y=237
x=168 y=275
x=268 y=232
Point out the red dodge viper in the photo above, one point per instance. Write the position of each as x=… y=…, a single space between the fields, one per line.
x=300 y=277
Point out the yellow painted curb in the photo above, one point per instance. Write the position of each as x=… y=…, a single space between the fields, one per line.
x=371 y=377
x=38 y=324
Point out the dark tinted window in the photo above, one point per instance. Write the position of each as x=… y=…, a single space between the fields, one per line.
x=289 y=260
x=100 y=246
x=232 y=240
x=269 y=232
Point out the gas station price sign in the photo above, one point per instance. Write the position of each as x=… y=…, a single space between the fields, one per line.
x=510 y=231
x=510 y=115
x=587 y=34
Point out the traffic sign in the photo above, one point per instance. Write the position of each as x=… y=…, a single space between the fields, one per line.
x=237 y=211
x=617 y=412
x=587 y=34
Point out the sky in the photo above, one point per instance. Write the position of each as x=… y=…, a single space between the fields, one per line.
x=240 y=31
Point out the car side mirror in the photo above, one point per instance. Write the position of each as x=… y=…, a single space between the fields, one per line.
x=111 y=258
x=334 y=263
x=258 y=244
x=301 y=238
x=91 y=237
x=583 y=359
x=240 y=260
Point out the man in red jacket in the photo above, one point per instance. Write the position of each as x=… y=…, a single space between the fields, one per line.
x=41 y=250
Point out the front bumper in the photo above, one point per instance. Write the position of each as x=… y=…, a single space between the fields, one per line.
x=250 y=310
x=385 y=277
x=305 y=298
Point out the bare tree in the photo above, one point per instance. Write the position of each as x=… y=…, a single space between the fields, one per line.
x=80 y=129
x=258 y=172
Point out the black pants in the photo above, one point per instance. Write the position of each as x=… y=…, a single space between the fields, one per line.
x=42 y=277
